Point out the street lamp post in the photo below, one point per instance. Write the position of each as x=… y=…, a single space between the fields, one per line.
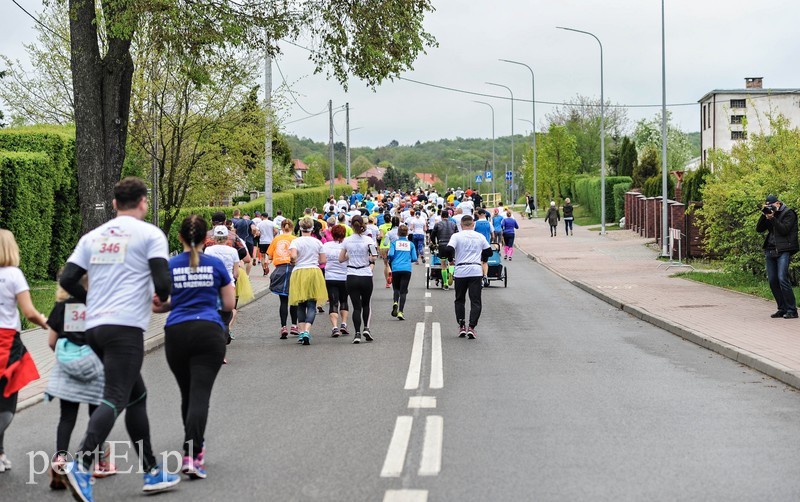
x=513 y=165
x=493 y=157
x=664 y=223
x=533 y=104
x=602 y=134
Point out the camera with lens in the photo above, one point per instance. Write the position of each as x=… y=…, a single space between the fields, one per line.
x=767 y=209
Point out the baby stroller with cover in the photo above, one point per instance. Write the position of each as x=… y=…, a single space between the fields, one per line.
x=497 y=272
x=442 y=277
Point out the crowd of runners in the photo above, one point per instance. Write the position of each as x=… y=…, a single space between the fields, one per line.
x=121 y=272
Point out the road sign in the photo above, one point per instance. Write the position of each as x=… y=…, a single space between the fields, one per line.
x=488 y=176
x=479 y=179
x=509 y=175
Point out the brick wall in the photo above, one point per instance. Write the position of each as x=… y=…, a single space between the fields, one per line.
x=643 y=216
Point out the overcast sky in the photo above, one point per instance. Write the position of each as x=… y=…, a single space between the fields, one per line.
x=710 y=45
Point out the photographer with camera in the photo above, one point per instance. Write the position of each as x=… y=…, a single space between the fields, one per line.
x=780 y=223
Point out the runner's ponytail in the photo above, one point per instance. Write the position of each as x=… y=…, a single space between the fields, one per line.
x=193 y=232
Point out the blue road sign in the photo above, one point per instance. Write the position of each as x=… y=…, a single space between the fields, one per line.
x=509 y=175
x=478 y=179
x=488 y=176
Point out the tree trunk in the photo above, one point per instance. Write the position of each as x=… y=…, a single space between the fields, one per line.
x=102 y=89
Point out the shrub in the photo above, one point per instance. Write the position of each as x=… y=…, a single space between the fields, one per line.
x=653 y=187
x=587 y=193
x=693 y=184
x=620 y=189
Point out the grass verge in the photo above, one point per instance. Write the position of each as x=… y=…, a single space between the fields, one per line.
x=43 y=295
x=742 y=282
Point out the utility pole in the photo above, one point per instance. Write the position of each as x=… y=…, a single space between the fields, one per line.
x=347 y=119
x=154 y=205
x=268 y=135
x=664 y=193
x=330 y=140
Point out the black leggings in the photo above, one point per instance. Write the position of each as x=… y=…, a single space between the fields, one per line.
x=195 y=351
x=8 y=407
x=66 y=423
x=400 y=281
x=285 y=310
x=508 y=240
x=121 y=348
x=473 y=285
x=359 y=288
x=337 y=295
x=567 y=225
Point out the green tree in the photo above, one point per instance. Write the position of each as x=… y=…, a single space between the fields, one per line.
x=646 y=168
x=359 y=165
x=581 y=117
x=647 y=134
x=317 y=167
x=558 y=162
x=371 y=41
x=628 y=155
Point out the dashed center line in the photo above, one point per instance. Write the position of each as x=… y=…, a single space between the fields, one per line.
x=431 y=463
x=422 y=402
x=427 y=295
x=437 y=370
x=415 y=365
x=406 y=496
x=428 y=308
x=396 y=456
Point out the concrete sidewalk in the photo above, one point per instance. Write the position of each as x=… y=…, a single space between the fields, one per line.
x=35 y=341
x=622 y=270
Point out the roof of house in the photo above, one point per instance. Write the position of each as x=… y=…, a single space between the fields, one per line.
x=428 y=178
x=751 y=92
x=339 y=180
x=376 y=172
x=299 y=165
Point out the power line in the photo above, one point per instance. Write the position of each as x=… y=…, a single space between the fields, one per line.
x=39 y=22
x=291 y=92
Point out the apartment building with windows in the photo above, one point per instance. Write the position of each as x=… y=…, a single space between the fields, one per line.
x=729 y=115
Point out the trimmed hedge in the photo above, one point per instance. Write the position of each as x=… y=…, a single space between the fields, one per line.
x=291 y=202
x=26 y=207
x=620 y=189
x=58 y=143
x=587 y=193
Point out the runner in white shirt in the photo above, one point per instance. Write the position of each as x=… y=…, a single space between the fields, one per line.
x=306 y=285
x=221 y=249
x=126 y=260
x=266 y=232
x=278 y=220
x=418 y=227
x=470 y=250
x=457 y=218
x=336 y=281
x=360 y=253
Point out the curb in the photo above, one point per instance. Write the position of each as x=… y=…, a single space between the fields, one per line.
x=754 y=361
x=150 y=345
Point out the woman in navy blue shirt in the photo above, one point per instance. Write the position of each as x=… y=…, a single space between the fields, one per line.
x=195 y=333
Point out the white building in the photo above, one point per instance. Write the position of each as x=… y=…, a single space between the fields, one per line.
x=728 y=115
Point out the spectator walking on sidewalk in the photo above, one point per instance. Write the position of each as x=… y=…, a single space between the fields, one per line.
x=552 y=218
x=568 y=218
x=780 y=223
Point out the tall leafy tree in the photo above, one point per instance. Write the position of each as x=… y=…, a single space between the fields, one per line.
x=628 y=156
x=646 y=168
x=371 y=41
x=647 y=135
x=558 y=162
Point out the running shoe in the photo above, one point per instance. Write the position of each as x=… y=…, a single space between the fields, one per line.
x=509 y=258
x=104 y=468
x=366 y=334
x=462 y=331
x=284 y=333
x=446 y=287
x=201 y=457
x=305 y=338
x=80 y=482
x=58 y=479
x=357 y=337
x=388 y=285
x=199 y=471
x=159 y=480
x=5 y=463
x=343 y=329
x=471 y=334
x=294 y=331
x=187 y=466
x=395 y=308
x=400 y=316
x=335 y=332
x=320 y=309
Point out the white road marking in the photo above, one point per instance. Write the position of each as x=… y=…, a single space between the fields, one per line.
x=396 y=456
x=427 y=295
x=422 y=402
x=432 y=446
x=415 y=365
x=437 y=371
x=406 y=496
x=427 y=265
x=428 y=308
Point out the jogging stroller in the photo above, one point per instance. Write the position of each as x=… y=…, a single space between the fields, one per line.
x=497 y=271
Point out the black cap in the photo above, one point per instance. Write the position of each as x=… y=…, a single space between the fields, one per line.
x=218 y=217
x=772 y=199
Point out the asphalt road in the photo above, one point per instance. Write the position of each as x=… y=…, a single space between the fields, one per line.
x=561 y=397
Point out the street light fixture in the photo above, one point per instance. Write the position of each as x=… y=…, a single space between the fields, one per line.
x=513 y=166
x=494 y=189
x=602 y=134
x=533 y=103
x=469 y=180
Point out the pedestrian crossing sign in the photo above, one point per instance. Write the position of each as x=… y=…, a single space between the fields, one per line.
x=479 y=179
